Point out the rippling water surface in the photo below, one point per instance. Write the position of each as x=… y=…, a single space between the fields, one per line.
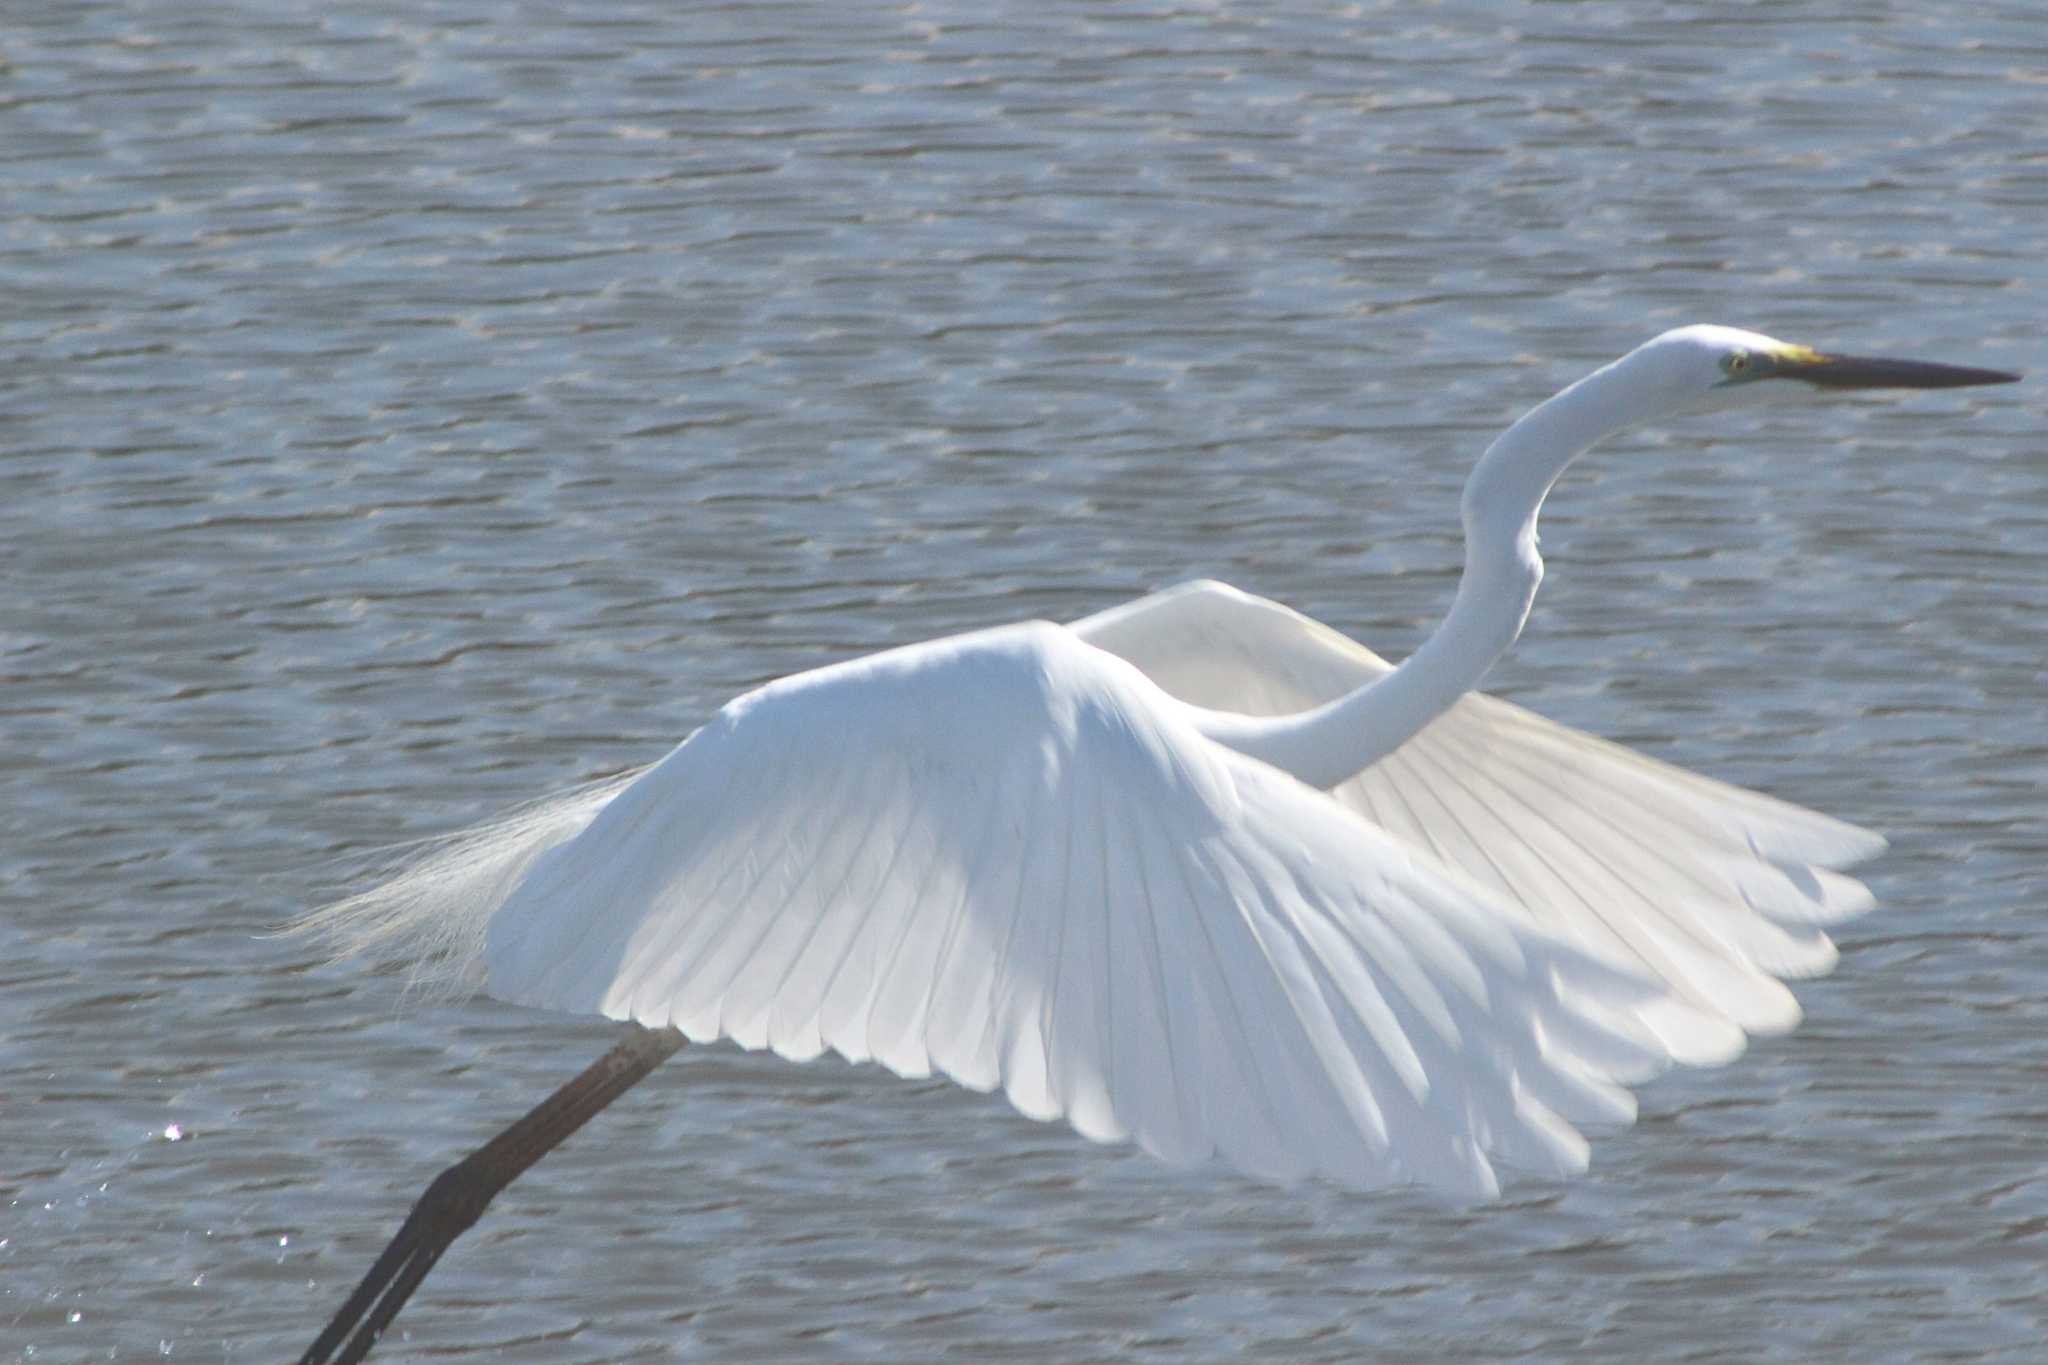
x=406 y=410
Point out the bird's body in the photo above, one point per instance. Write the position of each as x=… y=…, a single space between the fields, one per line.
x=1196 y=871
x=1108 y=916
x=1012 y=857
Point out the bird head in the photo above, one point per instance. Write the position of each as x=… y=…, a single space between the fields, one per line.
x=1704 y=367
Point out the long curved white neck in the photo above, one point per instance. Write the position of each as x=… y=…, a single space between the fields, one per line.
x=1332 y=743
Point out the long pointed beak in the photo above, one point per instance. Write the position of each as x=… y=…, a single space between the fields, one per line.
x=1868 y=372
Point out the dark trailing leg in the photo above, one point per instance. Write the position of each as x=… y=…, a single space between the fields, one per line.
x=458 y=1196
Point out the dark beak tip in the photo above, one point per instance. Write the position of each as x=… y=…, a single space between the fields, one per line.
x=1871 y=372
x=1972 y=379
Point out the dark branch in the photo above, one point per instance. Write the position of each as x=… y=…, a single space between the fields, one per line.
x=458 y=1196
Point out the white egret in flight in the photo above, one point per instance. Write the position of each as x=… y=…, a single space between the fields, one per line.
x=1196 y=872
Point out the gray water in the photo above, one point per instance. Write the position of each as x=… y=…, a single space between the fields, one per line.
x=406 y=410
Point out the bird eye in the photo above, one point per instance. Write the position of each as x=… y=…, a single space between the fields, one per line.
x=1738 y=363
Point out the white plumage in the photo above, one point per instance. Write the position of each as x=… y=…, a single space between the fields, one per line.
x=1097 y=866
x=1006 y=857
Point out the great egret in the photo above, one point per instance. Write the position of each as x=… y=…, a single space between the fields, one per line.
x=1196 y=872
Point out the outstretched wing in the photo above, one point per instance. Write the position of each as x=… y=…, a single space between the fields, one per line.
x=1716 y=891
x=1008 y=857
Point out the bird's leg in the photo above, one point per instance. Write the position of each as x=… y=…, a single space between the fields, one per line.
x=458 y=1195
